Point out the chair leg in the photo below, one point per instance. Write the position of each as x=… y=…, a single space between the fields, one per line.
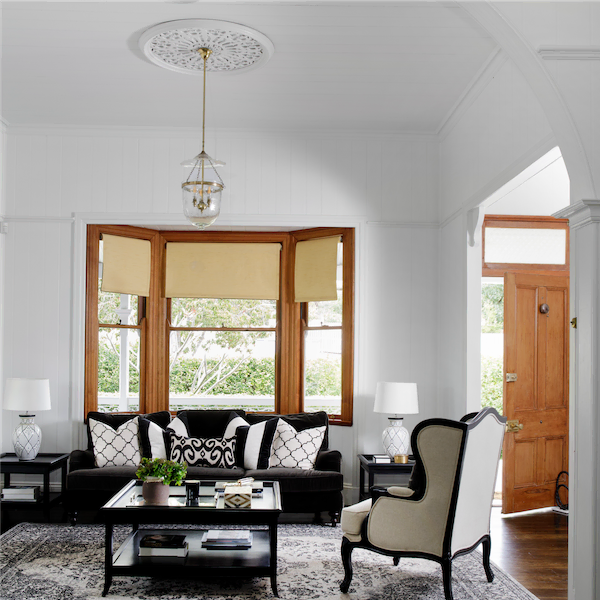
x=347 y=562
x=447 y=576
x=396 y=561
x=487 y=547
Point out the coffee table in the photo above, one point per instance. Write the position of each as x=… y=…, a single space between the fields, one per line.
x=128 y=507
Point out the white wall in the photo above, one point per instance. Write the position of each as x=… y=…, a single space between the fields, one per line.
x=272 y=180
x=498 y=130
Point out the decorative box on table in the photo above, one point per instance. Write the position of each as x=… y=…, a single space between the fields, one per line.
x=238 y=496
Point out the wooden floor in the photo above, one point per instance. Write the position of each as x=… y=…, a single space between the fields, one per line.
x=532 y=547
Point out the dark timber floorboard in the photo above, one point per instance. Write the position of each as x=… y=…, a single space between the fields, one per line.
x=532 y=547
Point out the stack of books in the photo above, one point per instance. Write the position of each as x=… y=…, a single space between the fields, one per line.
x=227 y=539
x=381 y=458
x=164 y=545
x=21 y=493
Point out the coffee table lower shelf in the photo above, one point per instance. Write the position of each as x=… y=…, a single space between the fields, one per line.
x=199 y=563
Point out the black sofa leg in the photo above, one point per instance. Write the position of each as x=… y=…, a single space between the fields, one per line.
x=347 y=548
x=335 y=517
x=73 y=517
x=396 y=561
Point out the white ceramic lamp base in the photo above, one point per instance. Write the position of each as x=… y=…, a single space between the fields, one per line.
x=395 y=438
x=27 y=438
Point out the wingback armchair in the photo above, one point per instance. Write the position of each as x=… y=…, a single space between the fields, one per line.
x=446 y=510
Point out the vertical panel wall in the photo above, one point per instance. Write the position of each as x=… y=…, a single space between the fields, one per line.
x=272 y=180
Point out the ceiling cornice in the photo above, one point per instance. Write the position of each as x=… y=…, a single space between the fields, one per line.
x=569 y=52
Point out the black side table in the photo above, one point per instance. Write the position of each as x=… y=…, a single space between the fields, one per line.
x=42 y=464
x=372 y=468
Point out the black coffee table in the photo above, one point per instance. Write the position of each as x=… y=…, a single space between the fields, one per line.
x=127 y=507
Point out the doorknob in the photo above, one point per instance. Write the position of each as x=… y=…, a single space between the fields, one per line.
x=513 y=426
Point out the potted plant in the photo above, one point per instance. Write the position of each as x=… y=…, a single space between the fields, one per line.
x=158 y=474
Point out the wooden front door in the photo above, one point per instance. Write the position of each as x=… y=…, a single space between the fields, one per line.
x=536 y=388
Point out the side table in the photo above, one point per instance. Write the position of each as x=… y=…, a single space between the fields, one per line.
x=42 y=464
x=371 y=468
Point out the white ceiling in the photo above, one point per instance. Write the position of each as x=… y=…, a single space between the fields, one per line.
x=392 y=66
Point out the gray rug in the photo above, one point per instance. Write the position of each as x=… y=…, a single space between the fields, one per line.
x=61 y=562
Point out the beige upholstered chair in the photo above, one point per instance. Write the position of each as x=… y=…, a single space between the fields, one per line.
x=446 y=510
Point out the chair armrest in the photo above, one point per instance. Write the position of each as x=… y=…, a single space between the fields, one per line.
x=400 y=492
x=81 y=459
x=329 y=460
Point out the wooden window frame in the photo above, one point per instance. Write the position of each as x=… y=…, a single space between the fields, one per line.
x=523 y=222
x=154 y=350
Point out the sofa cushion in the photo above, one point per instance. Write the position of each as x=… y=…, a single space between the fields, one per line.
x=107 y=478
x=295 y=449
x=115 y=447
x=215 y=473
x=208 y=423
x=300 y=480
x=202 y=452
x=254 y=444
x=299 y=422
x=115 y=420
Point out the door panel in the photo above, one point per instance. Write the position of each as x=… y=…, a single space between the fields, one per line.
x=536 y=349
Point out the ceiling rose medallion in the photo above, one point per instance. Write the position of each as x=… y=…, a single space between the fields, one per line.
x=195 y=47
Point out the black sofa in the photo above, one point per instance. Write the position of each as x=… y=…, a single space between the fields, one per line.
x=302 y=491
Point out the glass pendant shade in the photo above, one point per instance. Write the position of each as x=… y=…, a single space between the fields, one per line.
x=202 y=191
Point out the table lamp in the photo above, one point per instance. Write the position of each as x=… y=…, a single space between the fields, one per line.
x=27 y=395
x=397 y=399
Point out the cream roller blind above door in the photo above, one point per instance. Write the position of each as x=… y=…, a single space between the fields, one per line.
x=247 y=271
x=126 y=265
x=315 y=270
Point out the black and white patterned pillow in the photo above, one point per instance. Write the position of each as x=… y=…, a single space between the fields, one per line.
x=254 y=444
x=154 y=440
x=295 y=449
x=203 y=452
x=115 y=447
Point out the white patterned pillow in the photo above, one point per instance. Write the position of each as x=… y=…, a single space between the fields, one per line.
x=115 y=447
x=295 y=449
x=203 y=452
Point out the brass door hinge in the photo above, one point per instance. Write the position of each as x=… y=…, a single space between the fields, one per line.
x=574 y=322
x=511 y=377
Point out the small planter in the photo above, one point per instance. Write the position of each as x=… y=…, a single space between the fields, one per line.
x=154 y=491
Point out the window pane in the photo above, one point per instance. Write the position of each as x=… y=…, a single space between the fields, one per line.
x=115 y=309
x=118 y=373
x=323 y=371
x=525 y=246
x=328 y=312
x=222 y=369
x=209 y=312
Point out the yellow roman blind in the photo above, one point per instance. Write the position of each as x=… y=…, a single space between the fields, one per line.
x=247 y=271
x=126 y=265
x=315 y=270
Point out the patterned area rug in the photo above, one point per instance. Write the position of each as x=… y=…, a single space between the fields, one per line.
x=58 y=562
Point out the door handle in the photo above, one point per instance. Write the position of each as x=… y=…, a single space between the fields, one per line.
x=513 y=426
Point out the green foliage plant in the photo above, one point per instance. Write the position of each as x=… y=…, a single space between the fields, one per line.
x=171 y=472
x=491 y=383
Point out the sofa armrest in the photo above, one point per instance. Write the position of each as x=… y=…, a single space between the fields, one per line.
x=81 y=459
x=329 y=460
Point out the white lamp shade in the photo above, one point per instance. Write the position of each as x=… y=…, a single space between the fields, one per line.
x=396 y=398
x=27 y=394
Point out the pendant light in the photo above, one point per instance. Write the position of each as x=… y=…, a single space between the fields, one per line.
x=203 y=186
x=185 y=46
